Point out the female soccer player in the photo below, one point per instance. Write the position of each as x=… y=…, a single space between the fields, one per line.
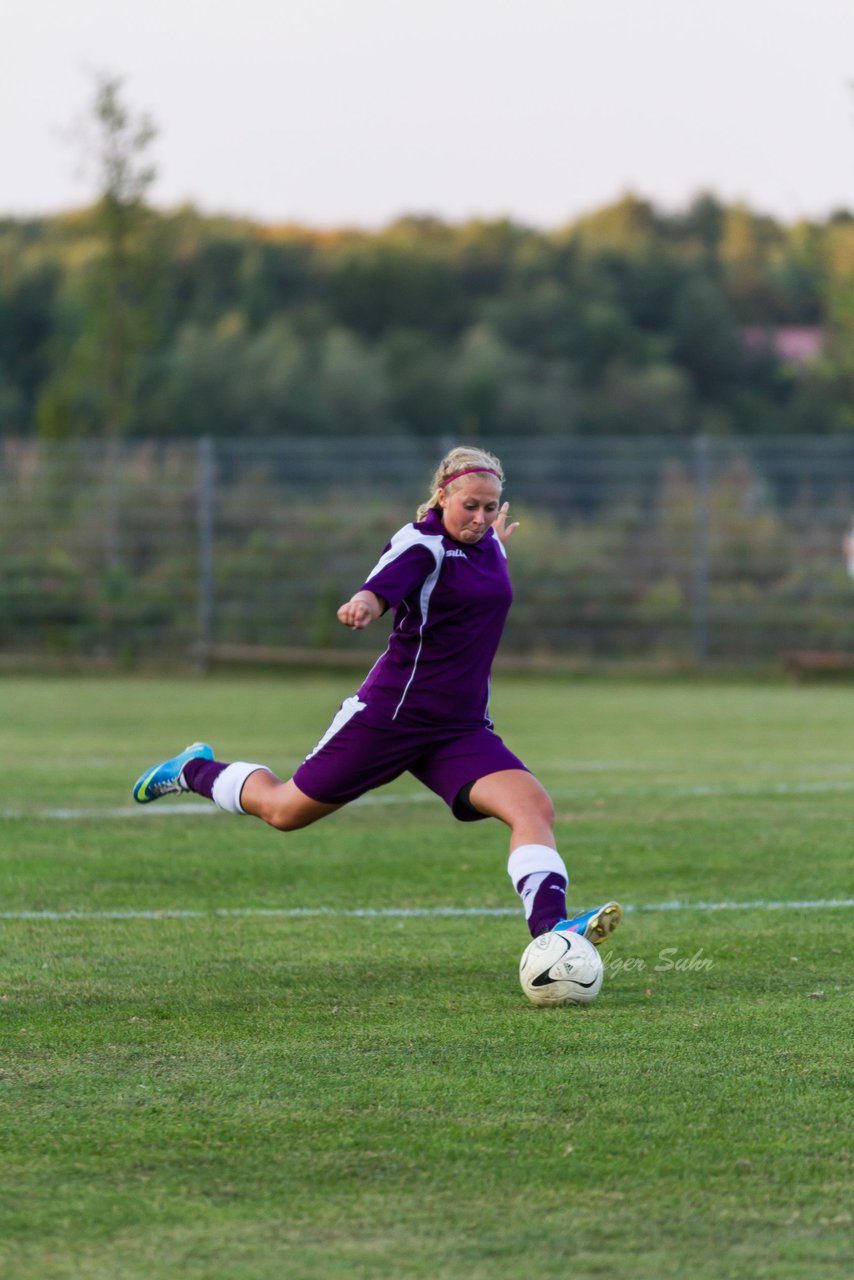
x=423 y=707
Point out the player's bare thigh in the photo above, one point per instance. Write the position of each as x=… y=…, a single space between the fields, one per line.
x=520 y=800
x=281 y=804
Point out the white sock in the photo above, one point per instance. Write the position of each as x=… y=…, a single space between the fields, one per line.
x=529 y=867
x=529 y=858
x=226 y=790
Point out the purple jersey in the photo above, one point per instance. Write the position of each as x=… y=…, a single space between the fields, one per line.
x=450 y=602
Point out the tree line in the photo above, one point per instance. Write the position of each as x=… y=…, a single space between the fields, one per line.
x=121 y=320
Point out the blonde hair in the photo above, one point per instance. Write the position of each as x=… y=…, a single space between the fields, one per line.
x=463 y=458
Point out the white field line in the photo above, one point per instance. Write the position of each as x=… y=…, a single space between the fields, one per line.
x=189 y=808
x=401 y=913
x=184 y=809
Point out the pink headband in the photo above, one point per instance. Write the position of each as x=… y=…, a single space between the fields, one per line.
x=469 y=471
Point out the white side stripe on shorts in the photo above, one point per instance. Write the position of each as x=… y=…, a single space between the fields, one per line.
x=349 y=708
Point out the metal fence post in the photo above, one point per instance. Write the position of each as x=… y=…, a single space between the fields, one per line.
x=206 y=498
x=700 y=604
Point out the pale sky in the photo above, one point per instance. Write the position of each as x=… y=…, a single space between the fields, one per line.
x=354 y=112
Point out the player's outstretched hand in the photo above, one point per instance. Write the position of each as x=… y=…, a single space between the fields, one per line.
x=355 y=614
x=360 y=611
x=502 y=529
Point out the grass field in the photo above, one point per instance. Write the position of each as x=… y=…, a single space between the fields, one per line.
x=271 y=1085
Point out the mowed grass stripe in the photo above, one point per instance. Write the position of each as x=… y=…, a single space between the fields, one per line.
x=662 y=790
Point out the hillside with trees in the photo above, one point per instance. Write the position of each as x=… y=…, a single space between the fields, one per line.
x=628 y=322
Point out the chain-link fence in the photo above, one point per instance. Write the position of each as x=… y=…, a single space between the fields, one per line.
x=704 y=550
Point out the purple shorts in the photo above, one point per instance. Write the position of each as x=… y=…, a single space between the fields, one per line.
x=356 y=755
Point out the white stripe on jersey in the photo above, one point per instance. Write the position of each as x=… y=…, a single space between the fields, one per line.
x=405 y=538
x=424 y=601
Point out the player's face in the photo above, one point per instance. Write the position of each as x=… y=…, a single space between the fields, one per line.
x=471 y=507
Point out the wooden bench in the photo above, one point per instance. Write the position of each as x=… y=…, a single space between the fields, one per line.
x=803 y=663
x=204 y=656
x=259 y=655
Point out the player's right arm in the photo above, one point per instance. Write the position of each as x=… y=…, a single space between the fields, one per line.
x=400 y=570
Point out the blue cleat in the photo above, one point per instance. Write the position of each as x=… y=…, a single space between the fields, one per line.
x=595 y=925
x=166 y=778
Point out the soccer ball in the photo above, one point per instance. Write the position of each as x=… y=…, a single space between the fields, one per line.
x=561 y=968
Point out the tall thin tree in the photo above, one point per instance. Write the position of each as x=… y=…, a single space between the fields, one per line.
x=120 y=144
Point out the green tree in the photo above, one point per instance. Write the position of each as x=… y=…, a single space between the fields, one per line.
x=125 y=175
x=417 y=369
x=705 y=337
x=114 y=313
x=27 y=303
